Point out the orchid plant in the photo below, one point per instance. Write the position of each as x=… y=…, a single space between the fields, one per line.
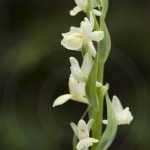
x=86 y=85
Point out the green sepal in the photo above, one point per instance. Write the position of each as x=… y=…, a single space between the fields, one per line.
x=90 y=87
x=111 y=129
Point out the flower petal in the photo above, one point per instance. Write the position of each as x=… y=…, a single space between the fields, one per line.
x=117 y=105
x=81 y=88
x=97 y=36
x=86 y=28
x=75 y=10
x=62 y=99
x=96 y=12
x=91 y=21
x=81 y=99
x=98 y=84
x=75 y=69
x=77 y=90
x=86 y=142
x=86 y=65
x=72 y=40
x=73 y=86
x=105 y=121
x=81 y=3
x=125 y=117
x=82 y=130
x=75 y=128
x=89 y=124
x=91 y=49
x=75 y=29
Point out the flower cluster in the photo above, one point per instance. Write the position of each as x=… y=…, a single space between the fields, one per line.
x=79 y=39
x=75 y=40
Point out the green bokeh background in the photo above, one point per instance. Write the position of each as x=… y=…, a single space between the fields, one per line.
x=34 y=70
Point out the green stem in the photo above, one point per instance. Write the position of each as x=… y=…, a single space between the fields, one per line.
x=74 y=141
x=98 y=116
x=100 y=75
x=86 y=111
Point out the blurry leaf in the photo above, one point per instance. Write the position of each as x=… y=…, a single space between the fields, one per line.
x=111 y=129
x=104 y=8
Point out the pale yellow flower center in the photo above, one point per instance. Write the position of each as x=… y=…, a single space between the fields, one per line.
x=79 y=36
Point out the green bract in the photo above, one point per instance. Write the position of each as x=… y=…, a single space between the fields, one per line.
x=90 y=88
x=111 y=129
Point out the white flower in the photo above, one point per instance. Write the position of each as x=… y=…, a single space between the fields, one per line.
x=76 y=37
x=82 y=132
x=81 y=74
x=77 y=93
x=82 y=6
x=123 y=116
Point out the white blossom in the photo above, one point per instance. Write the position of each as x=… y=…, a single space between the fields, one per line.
x=76 y=37
x=82 y=6
x=81 y=73
x=82 y=132
x=123 y=116
x=77 y=93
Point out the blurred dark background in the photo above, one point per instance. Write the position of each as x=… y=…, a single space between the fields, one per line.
x=34 y=70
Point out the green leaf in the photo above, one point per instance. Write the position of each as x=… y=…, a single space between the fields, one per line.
x=105 y=44
x=111 y=129
x=90 y=88
x=105 y=4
